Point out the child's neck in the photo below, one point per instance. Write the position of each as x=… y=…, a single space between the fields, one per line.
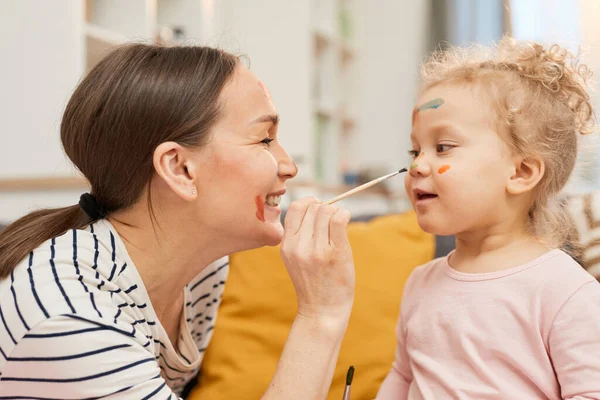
x=492 y=251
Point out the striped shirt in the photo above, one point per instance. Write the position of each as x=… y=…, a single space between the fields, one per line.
x=76 y=322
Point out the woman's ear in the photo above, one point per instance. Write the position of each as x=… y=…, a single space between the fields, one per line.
x=173 y=163
x=526 y=174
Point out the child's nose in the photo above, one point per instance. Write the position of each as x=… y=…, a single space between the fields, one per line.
x=420 y=166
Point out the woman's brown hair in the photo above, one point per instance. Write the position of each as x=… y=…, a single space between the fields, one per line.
x=136 y=98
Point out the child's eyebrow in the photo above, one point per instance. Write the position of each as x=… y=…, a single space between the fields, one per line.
x=440 y=129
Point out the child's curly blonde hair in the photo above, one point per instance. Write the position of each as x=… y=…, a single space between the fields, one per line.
x=541 y=100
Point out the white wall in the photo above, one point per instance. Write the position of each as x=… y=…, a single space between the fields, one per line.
x=41 y=47
x=275 y=36
x=393 y=42
x=42 y=59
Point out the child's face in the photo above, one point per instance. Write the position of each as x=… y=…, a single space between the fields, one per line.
x=457 y=181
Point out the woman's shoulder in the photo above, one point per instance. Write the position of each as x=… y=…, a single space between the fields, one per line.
x=71 y=274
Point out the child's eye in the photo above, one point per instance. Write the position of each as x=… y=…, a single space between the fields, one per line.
x=413 y=153
x=267 y=141
x=442 y=148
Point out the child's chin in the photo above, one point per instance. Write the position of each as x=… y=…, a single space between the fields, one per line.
x=434 y=228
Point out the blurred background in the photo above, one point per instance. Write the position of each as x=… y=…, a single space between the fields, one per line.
x=343 y=75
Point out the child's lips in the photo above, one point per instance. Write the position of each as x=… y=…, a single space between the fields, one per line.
x=423 y=195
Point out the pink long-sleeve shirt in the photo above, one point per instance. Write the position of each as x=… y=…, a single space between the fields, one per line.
x=528 y=332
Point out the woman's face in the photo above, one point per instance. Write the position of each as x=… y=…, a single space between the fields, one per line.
x=243 y=169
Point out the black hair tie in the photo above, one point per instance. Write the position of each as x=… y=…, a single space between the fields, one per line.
x=92 y=208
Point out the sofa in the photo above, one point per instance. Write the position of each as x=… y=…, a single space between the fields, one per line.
x=258 y=305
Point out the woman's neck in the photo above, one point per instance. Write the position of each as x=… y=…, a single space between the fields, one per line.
x=166 y=255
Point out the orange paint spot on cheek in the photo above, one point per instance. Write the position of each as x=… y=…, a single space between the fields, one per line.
x=260 y=208
x=443 y=169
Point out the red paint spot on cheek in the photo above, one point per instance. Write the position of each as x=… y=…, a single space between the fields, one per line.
x=443 y=169
x=260 y=208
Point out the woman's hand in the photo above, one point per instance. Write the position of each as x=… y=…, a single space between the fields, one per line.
x=318 y=257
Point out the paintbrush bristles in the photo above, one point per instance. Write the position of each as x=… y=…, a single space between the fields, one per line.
x=364 y=186
x=350 y=375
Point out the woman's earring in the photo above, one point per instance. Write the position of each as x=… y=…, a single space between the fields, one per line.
x=194 y=192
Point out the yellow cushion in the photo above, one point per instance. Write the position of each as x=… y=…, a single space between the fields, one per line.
x=259 y=306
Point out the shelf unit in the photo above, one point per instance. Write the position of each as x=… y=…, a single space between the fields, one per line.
x=109 y=23
x=334 y=93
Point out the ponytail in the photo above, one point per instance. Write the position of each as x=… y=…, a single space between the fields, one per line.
x=22 y=236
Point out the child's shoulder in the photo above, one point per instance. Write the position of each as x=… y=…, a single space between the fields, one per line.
x=560 y=272
x=427 y=272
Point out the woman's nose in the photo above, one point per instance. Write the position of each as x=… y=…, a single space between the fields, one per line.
x=287 y=166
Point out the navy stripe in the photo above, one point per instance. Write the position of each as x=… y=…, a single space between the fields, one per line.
x=210 y=328
x=14 y=293
x=70 y=357
x=167 y=364
x=117 y=315
x=204 y=296
x=98 y=327
x=96 y=254
x=114 y=256
x=196 y=317
x=109 y=327
x=155 y=391
x=35 y=295
x=3 y=355
x=132 y=305
x=147 y=344
x=159 y=342
x=209 y=275
x=185 y=358
x=80 y=277
x=208 y=318
x=82 y=378
x=138 y=321
x=6 y=326
x=122 y=269
x=94 y=304
x=179 y=378
x=62 y=290
x=132 y=288
x=56 y=398
x=151 y=323
x=57 y=334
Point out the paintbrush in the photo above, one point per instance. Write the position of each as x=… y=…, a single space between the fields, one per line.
x=364 y=186
x=349 y=377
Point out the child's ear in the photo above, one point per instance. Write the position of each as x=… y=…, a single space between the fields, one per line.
x=526 y=174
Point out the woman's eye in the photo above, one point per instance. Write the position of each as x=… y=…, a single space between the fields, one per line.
x=413 y=153
x=442 y=148
x=267 y=141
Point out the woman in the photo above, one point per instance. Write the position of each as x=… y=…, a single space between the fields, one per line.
x=117 y=296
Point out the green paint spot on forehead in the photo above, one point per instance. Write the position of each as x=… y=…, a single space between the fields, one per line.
x=433 y=104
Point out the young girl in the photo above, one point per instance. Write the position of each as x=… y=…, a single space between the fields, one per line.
x=508 y=314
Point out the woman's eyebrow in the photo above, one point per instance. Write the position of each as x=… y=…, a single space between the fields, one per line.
x=272 y=118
